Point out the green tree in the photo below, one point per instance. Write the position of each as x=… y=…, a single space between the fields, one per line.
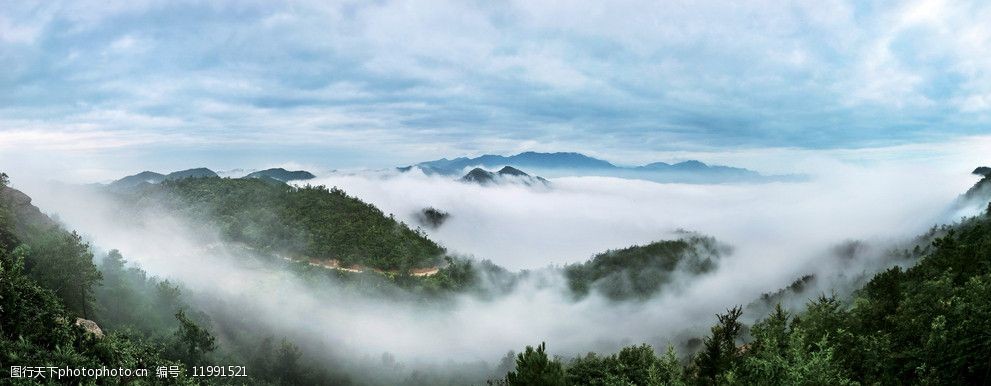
x=719 y=352
x=636 y=364
x=669 y=370
x=534 y=368
x=195 y=341
x=587 y=370
x=62 y=262
x=287 y=367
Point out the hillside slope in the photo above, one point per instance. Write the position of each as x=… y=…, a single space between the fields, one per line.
x=306 y=222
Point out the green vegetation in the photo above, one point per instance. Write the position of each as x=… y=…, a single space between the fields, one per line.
x=533 y=368
x=50 y=286
x=929 y=324
x=36 y=285
x=639 y=272
x=432 y=217
x=281 y=174
x=311 y=221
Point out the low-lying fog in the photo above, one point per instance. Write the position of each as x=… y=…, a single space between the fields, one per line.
x=522 y=227
x=778 y=231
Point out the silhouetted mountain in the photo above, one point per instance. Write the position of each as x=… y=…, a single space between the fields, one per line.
x=147 y=178
x=558 y=160
x=699 y=169
x=511 y=171
x=981 y=191
x=479 y=176
x=575 y=164
x=282 y=174
x=191 y=173
x=525 y=160
x=139 y=179
x=507 y=174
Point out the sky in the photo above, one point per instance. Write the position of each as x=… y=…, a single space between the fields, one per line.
x=100 y=86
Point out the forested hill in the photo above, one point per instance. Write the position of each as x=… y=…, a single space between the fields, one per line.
x=640 y=271
x=282 y=174
x=301 y=222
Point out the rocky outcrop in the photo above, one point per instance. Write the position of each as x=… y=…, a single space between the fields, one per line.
x=27 y=217
x=982 y=189
x=90 y=327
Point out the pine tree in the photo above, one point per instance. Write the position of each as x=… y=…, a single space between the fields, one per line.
x=196 y=340
x=534 y=368
x=720 y=351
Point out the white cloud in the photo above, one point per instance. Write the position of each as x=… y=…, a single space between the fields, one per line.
x=528 y=228
x=631 y=75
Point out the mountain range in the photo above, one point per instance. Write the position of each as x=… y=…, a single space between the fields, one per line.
x=507 y=174
x=145 y=178
x=563 y=164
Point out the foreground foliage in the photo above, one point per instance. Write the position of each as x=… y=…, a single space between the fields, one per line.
x=49 y=283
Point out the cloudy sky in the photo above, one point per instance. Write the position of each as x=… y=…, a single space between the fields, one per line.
x=178 y=84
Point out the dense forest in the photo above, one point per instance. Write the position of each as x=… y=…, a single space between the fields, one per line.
x=640 y=271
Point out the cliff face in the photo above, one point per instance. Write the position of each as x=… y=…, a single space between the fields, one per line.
x=982 y=189
x=27 y=217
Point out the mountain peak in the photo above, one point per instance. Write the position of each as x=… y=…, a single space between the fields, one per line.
x=507 y=174
x=281 y=174
x=191 y=173
x=143 y=178
x=479 y=176
x=692 y=164
x=509 y=170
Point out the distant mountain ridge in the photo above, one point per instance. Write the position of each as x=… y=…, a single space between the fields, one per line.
x=191 y=173
x=570 y=163
x=523 y=160
x=146 y=178
x=282 y=174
